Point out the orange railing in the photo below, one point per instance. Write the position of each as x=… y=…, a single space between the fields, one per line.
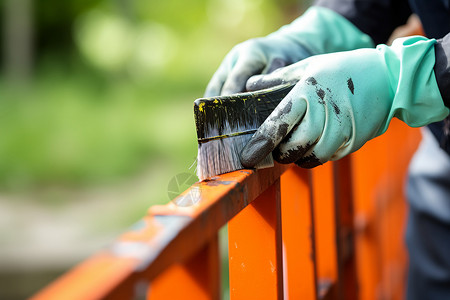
x=334 y=232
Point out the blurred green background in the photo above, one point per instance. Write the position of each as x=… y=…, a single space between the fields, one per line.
x=96 y=117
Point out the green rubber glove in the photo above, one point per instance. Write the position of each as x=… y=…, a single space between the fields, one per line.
x=342 y=100
x=319 y=30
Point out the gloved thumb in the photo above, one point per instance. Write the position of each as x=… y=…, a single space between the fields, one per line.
x=286 y=75
x=274 y=129
x=260 y=82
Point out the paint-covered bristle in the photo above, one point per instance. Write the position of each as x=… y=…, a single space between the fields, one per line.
x=220 y=156
x=225 y=124
x=229 y=114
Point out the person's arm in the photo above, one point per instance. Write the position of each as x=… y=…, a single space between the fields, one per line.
x=319 y=30
x=342 y=100
x=376 y=18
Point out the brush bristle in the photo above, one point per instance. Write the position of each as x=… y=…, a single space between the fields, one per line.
x=222 y=156
x=219 y=116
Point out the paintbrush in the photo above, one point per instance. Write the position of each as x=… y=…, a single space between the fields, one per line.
x=226 y=123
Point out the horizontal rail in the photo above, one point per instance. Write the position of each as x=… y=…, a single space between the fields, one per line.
x=154 y=243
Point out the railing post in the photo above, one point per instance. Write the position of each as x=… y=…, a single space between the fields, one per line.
x=299 y=257
x=345 y=235
x=198 y=278
x=255 y=248
x=323 y=200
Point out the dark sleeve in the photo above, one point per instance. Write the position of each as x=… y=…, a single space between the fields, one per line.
x=377 y=18
x=442 y=67
x=441 y=130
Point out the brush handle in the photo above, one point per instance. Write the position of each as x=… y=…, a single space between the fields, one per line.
x=225 y=116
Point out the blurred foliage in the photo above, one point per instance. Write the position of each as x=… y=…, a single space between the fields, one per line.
x=76 y=131
x=114 y=83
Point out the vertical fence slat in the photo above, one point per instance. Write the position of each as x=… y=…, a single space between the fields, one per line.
x=198 y=278
x=298 y=235
x=373 y=158
x=345 y=237
x=255 y=249
x=323 y=199
x=379 y=173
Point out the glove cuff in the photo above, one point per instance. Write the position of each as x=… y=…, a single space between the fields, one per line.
x=321 y=30
x=410 y=67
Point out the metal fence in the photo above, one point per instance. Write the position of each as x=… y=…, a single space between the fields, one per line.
x=334 y=232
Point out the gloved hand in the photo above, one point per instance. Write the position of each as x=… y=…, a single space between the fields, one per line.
x=342 y=100
x=319 y=30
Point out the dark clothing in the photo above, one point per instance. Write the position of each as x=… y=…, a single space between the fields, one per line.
x=442 y=67
x=435 y=16
x=378 y=18
x=428 y=228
